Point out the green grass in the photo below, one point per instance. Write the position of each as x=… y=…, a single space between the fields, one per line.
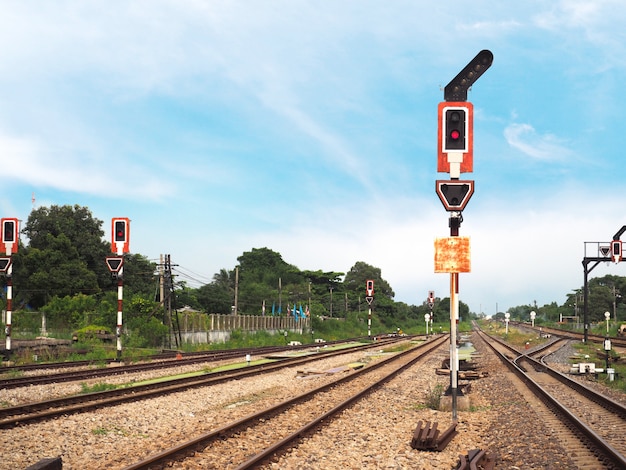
x=516 y=337
x=433 y=397
x=99 y=387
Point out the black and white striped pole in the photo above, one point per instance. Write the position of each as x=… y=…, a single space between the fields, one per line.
x=9 y=235
x=369 y=296
x=120 y=245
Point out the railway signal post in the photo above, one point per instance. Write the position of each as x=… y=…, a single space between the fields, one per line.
x=597 y=252
x=369 y=296
x=9 y=239
x=455 y=155
x=120 y=245
x=431 y=303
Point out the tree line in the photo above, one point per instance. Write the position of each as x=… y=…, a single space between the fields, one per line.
x=604 y=294
x=60 y=270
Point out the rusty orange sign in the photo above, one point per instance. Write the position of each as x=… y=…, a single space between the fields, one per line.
x=452 y=255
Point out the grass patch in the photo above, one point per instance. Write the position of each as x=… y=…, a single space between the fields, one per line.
x=167 y=378
x=433 y=397
x=398 y=347
x=516 y=337
x=99 y=387
x=13 y=373
x=480 y=408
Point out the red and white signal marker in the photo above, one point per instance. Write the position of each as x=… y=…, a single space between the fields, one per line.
x=120 y=235
x=455 y=147
x=616 y=251
x=9 y=230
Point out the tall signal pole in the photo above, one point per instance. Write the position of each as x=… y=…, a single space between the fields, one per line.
x=120 y=245
x=9 y=238
x=455 y=155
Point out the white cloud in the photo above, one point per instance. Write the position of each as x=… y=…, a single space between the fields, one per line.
x=525 y=138
x=32 y=163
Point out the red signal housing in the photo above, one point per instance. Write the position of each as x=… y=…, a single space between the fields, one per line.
x=120 y=235
x=8 y=233
x=616 y=250
x=455 y=134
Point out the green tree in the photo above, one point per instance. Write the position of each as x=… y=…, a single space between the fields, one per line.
x=79 y=226
x=143 y=323
x=213 y=298
x=266 y=266
x=65 y=255
x=55 y=269
x=139 y=277
x=261 y=273
x=359 y=273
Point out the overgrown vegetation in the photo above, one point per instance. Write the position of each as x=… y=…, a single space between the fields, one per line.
x=62 y=284
x=99 y=387
x=433 y=397
x=61 y=281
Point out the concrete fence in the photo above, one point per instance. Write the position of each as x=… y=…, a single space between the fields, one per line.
x=214 y=328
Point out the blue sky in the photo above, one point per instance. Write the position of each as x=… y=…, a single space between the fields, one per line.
x=310 y=128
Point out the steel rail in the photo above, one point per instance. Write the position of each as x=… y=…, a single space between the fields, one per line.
x=612 y=455
x=204 y=440
x=12 y=416
x=157 y=362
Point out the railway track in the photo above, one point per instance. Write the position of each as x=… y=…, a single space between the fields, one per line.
x=617 y=341
x=591 y=424
x=92 y=369
x=37 y=411
x=272 y=431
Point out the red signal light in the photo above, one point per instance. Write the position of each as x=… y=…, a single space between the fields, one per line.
x=8 y=231
x=454 y=134
x=120 y=230
x=120 y=235
x=455 y=121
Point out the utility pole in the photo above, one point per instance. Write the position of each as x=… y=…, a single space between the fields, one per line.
x=236 y=290
x=161 y=281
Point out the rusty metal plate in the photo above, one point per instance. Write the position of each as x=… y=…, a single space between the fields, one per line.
x=452 y=255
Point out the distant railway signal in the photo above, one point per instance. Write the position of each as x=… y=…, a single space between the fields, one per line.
x=120 y=230
x=616 y=251
x=431 y=298
x=8 y=233
x=369 y=297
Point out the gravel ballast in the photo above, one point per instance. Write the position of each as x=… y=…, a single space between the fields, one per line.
x=375 y=433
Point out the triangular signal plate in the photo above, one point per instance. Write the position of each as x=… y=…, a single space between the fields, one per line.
x=114 y=263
